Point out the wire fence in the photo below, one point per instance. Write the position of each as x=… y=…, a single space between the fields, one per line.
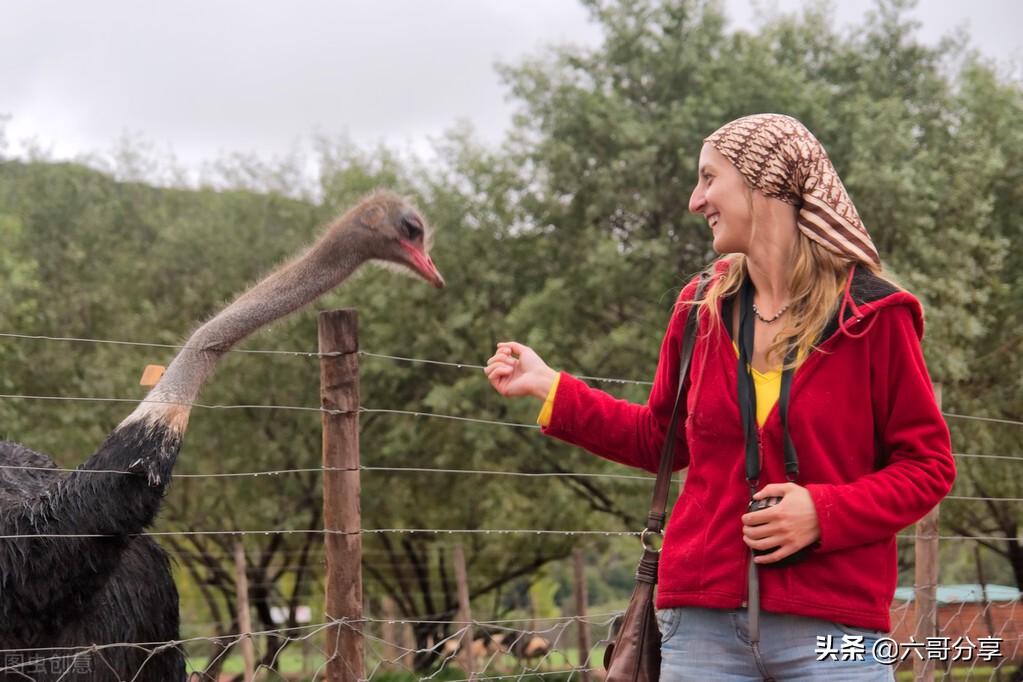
x=978 y=634
x=974 y=641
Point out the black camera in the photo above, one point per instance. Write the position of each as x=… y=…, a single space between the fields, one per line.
x=790 y=560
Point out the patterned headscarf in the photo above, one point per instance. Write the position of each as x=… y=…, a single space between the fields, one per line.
x=780 y=157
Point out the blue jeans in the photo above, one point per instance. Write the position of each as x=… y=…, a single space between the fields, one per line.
x=712 y=645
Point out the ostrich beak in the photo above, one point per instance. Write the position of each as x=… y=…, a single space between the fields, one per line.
x=421 y=263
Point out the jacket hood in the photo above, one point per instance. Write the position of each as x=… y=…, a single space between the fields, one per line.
x=865 y=294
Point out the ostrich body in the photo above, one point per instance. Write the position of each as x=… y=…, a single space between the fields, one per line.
x=84 y=596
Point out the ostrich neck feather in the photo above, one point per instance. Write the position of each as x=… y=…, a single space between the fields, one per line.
x=323 y=267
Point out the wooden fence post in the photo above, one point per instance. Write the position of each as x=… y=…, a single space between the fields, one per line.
x=244 y=616
x=582 y=610
x=393 y=637
x=465 y=642
x=342 y=519
x=925 y=591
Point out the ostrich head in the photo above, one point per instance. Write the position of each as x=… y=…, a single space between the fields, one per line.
x=387 y=228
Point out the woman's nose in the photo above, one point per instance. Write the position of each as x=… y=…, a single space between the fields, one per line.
x=697 y=201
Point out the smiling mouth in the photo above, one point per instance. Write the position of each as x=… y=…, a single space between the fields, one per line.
x=712 y=220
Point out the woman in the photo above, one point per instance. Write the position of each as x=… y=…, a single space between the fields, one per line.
x=800 y=339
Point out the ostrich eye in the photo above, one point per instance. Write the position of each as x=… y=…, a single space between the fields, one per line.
x=412 y=226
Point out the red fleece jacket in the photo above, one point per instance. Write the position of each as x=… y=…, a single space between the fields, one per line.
x=873 y=450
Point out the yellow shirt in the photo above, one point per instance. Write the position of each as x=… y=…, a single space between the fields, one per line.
x=766 y=384
x=768 y=387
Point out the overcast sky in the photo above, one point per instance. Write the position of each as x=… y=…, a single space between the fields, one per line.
x=200 y=79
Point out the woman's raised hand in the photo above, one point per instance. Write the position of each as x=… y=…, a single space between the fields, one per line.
x=516 y=370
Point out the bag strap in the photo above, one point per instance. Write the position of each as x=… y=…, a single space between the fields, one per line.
x=662 y=487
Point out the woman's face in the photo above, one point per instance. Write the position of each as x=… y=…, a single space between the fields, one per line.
x=724 y=198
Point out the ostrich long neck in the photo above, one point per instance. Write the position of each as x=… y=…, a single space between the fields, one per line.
x=324 y=266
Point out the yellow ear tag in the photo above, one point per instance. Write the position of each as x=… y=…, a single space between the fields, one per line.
x=151 y=375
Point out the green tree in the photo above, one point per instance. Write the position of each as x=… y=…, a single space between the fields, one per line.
x=925 y=137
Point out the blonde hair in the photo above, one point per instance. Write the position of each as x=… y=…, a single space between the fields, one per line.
x=816 y=284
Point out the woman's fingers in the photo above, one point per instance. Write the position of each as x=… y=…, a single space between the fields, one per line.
x=515 y=370
x=500 y=370
x=513 y=347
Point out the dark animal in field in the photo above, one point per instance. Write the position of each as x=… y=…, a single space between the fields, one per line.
x=488 y=643
x=85 y=596
x=525 y=646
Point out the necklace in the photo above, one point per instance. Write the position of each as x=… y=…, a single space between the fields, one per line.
x=778 y=314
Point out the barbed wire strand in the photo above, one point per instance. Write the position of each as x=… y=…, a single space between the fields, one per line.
x=363 y=410
x=412 y=531
x=422 y=470
x=396 y=358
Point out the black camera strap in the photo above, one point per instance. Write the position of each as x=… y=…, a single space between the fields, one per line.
x=748 y=396
x=748 y=412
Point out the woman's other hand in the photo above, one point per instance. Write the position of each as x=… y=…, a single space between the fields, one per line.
x=516 y=370
x=789 y=525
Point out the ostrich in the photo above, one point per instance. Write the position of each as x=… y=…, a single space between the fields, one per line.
x=84 y=596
